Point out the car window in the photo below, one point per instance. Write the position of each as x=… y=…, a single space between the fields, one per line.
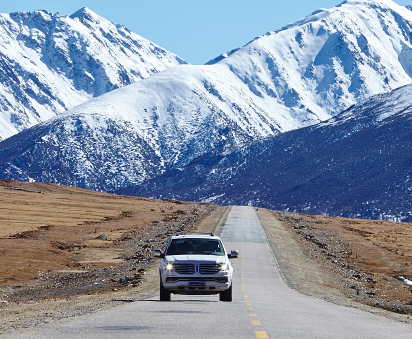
x=195 y=246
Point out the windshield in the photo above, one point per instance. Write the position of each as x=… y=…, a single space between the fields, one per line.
x=195 y=246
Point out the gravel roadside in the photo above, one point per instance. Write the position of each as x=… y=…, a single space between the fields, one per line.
x=309 y=269
x=137 y=279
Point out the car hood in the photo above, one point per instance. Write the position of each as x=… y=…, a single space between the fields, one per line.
x=196 y=257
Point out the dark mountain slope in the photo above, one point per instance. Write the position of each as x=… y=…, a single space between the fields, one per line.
x=358 y=164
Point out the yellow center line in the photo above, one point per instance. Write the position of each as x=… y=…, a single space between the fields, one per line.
x=256 y=323
x=252 y=315
x=261 y=334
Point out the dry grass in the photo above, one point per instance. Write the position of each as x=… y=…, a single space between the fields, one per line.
x=45 y=227
x=359 y=259
x=67 y=245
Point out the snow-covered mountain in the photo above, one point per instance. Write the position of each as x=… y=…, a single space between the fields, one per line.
x=294 y=77
x=318 y=66
x=125 y=136
x=51 y=63
x=357 y=164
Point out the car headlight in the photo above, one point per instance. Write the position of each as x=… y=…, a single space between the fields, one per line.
x=168 y=266
x=224 y=267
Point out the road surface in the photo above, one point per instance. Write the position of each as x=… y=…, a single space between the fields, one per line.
x=263 y=306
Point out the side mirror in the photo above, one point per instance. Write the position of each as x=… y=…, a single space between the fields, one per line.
x=159 y=254
x=233 y=254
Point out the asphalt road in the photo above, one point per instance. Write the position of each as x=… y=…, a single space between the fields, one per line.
x=263 y=306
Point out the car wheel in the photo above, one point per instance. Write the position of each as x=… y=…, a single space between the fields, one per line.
x=164 y=293
x=226 y=295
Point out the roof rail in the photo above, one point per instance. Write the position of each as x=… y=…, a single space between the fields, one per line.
x=199 y=233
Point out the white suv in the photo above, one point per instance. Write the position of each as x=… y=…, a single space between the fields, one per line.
x=195 y=264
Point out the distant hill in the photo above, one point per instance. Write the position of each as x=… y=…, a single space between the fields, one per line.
x=357 y=164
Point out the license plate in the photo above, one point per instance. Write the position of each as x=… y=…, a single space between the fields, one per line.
x=197 y=284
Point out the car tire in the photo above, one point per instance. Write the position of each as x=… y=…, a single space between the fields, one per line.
x=164 y=293
x=226 y=295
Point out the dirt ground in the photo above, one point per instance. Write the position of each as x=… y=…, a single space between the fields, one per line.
x=66 y=251
x=49 y=228
x=351 y=262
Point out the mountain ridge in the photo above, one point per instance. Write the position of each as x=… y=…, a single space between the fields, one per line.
x=50 y=63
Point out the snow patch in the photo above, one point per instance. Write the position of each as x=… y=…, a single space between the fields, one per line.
x=406 y=281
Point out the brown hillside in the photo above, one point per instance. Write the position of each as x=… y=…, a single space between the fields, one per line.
x=47 y=228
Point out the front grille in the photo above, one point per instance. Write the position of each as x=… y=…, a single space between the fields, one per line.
x=209 y=268
x=184 y=268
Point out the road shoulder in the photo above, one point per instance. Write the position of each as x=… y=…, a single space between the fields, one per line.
x=302 y=272
x=32 y=313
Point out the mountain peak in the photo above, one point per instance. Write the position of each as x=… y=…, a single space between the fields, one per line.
x=388 y=3
x=85 y=13
x=81 y=53
x=353 y=2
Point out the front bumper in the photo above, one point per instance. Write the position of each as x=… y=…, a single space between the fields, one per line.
x=196 y=283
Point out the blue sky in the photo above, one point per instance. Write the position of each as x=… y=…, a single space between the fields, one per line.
x=195 y=30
